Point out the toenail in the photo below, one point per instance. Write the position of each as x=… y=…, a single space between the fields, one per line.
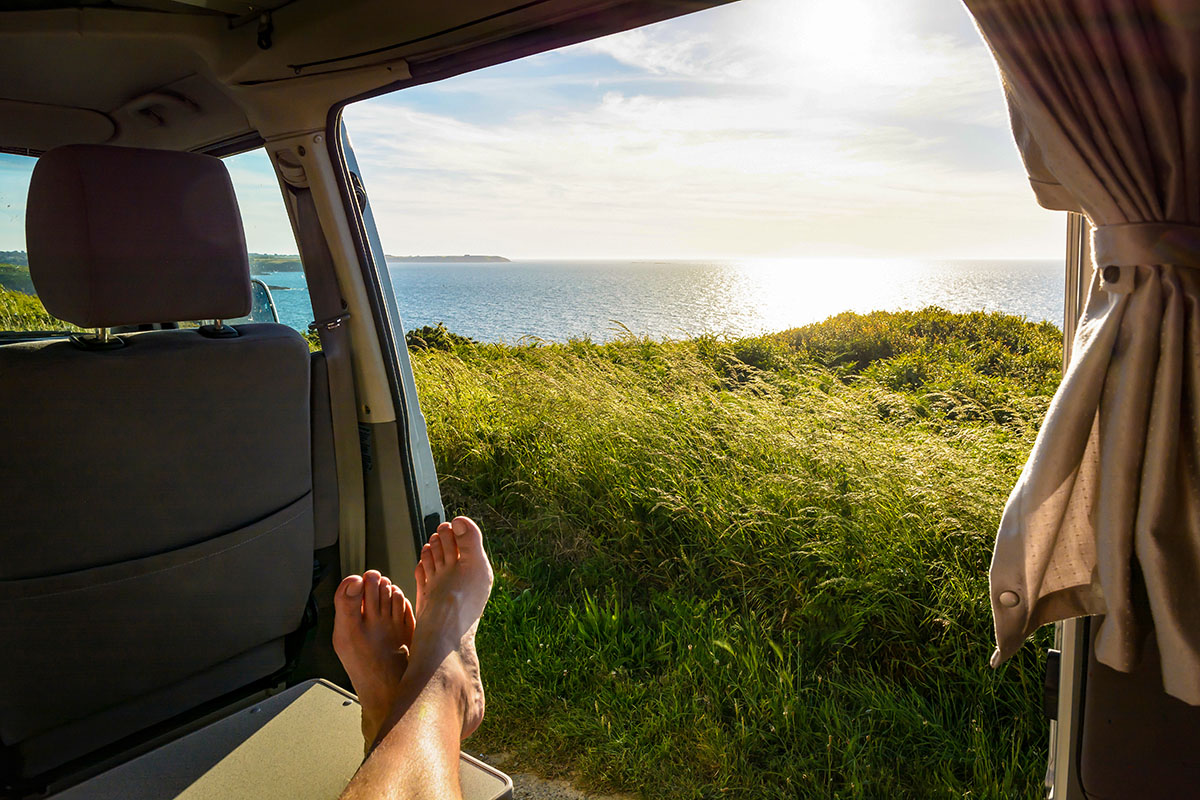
x=354 y=589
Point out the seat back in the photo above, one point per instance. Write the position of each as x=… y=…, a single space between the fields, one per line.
x=158 y=524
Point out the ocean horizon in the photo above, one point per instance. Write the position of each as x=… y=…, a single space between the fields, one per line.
x=558 y=300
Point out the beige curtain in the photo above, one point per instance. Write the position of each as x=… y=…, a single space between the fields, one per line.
x=1105 y=518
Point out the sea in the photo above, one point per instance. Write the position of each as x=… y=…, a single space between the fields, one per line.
x=559 y=300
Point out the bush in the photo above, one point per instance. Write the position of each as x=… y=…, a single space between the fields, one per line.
x=437 y=337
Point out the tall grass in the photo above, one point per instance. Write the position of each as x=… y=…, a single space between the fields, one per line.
x=751 y=568
x=20 y=311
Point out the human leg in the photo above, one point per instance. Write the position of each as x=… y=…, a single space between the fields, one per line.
x=438 y=699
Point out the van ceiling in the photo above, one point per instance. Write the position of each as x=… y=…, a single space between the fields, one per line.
x=193 y=74
x=229 y=8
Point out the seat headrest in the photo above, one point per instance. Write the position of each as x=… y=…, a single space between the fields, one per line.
x=125 y=236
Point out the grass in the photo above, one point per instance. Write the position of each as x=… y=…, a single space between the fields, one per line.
x=21 y=311
x=756 y=567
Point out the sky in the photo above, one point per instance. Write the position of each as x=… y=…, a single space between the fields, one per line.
x=765 y=128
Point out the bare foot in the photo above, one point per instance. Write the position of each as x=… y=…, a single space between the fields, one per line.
x=372 y=632
x=454 y=580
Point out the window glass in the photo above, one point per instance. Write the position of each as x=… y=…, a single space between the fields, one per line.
x=274 y=263
x=279 y=286
x=20 y=310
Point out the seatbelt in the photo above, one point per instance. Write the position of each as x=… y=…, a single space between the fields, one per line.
x=330 y=325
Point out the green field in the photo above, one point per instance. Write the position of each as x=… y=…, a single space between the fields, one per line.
x=751 y=568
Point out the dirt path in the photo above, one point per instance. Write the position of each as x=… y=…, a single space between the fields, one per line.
x=527 y=786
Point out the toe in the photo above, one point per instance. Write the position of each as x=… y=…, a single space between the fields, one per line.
x=450 y=546
x=439 y=554
x=468 y=537
x=396 y=603
x=347 y=600
x=402 y=615
x=427 y=561
x=386 y=592
x=371 y=593
x=419 y=576
x=408 y=620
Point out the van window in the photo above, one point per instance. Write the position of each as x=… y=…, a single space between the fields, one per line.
x=20 y=310
x=274 y=265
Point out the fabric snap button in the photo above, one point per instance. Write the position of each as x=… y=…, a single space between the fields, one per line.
x=1009 y=599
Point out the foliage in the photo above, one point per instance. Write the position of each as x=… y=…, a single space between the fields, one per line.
x=753 y=567
x=431 y=337
x=16 y=277
x=24 y=312
x=993 y=345
x=262 y=263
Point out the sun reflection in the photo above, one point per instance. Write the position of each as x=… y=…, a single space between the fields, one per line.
x=780 y=293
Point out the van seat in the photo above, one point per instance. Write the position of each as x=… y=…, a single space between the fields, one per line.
x=158 y=538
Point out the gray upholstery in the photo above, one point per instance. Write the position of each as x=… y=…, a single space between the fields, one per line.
x=161 y=444
x=158 y=515
x=45 y=751
x=121 y=236
x=158 y=536
x=325 y=485
x=85 y=641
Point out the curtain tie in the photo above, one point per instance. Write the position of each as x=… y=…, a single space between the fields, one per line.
x=1121 y=247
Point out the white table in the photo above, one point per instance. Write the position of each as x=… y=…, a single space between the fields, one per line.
x=301 y=744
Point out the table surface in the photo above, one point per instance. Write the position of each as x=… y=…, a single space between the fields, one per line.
x=301 y=744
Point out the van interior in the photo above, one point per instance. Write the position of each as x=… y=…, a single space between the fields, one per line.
x=170 y=547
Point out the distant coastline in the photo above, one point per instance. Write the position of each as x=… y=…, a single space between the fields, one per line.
x=464 y=259
x=268 y=263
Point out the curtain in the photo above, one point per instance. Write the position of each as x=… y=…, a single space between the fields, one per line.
x=1104 y=97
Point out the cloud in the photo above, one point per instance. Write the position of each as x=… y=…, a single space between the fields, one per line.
x=760 y=128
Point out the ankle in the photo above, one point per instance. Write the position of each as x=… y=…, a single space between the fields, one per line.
x=452 y=681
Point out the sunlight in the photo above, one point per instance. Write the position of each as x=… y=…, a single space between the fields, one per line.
x=845 y=43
